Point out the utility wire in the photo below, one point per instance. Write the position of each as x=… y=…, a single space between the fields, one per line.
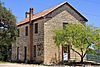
x=94 y=15
x=92 y=1
x=83 y=13
x=90 y=14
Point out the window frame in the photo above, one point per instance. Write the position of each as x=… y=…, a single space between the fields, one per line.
x=18 y=55
x=35 y=50
x=18 y=29
x=64 y=24
x=26 y=31
x=36 y=28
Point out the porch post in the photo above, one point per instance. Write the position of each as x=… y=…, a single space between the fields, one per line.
x=62 y=52
x=68 y=52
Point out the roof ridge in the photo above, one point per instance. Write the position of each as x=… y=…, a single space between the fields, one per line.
x=47 y=11
x=51 y=7
x=56 y=6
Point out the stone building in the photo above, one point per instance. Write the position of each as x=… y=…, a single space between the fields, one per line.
x=35 y=42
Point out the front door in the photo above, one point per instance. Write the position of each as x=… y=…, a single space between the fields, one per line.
x=65 y=53
x=34 y=52
x=25 y=53
x=17 y=53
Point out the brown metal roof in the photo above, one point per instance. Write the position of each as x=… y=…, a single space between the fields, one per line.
x=45 y=12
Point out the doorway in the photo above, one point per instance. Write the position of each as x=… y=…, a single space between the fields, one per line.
x=25 y=53
x=34 y=51
x=17 y=53
x=65 y=53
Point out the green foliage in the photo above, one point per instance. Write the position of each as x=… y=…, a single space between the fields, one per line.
x=59 y=38
x=79 y=37
x=8 y=31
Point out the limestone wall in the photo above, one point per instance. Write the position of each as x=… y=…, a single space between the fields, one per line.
x=59 y=16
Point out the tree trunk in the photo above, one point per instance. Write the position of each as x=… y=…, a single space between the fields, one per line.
x=81 y=59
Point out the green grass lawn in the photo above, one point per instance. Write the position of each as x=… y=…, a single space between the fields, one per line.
x=3 y=62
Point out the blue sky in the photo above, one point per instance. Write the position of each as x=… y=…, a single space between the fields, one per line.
x=88 y=8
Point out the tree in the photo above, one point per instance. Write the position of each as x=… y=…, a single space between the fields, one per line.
x=80 y=38
x=7 y=31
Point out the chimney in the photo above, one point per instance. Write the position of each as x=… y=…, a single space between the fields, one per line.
x=30 y=12
x=26 y=14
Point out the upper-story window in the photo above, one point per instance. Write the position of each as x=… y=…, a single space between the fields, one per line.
x=36 y=27
x=18 y=32
x=64 y=25
x=26 y=31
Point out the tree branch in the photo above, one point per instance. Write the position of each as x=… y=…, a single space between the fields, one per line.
x=82 y=51
x=86 y=50
x=76 y=52
x=87 y=47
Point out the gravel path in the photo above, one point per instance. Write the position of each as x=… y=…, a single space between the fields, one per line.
x=31 y=65
x=15 y=65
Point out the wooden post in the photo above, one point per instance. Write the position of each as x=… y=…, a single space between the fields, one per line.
x=62 y=52
x=68 y=52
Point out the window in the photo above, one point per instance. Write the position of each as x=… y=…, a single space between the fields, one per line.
x=64 y=25
x=36 y=27
x=34 y=50
x=65 y=49
x=26 y=30
x=18 y=32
